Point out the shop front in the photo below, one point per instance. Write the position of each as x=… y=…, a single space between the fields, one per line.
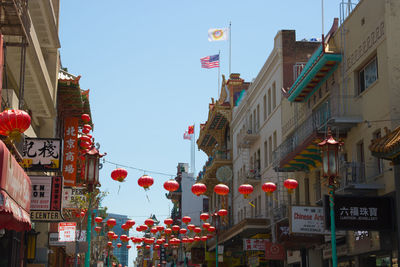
x=15 y=199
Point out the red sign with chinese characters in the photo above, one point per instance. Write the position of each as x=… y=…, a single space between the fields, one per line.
x=274 y=251
x=70 y=151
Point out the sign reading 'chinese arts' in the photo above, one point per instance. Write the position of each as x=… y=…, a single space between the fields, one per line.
x=70 y=151
x=361 y=213
x=41 y=154
x=307 y=220
x=254 y=244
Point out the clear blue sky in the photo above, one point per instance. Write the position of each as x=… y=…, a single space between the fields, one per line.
x=141 y=62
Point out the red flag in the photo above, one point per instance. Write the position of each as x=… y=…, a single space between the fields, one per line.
x=191 y=129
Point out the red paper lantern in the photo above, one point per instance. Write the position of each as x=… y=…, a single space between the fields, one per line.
x=110 y=234
x=199 y=189
x=211 y=229
x=204 y=238
x=206 y=225
x=154 y=230
x=183 y=231
x=119 y=174
x=160 y=228
x=221 y=189
x=145 y=181
x=87 y=127
x=130 y=223
x=290 y=185
x=186 y=219
x=97 y=229
x=147 y=246
x=85 y=145
x=157 y=247
x=204 y=216
x=175 y=228
x=191 y=227
x=138 y=246
x=166 y=245
x=98 y=219
x=124 y=238
x=197 y=230
x=144 y=227
x=191 y=239
x=14 y=122
x=245 y=190
x=111 y=222
x=109 y=243
x=222 y=212
x=149 y=222
x=269 y=188
x=124 y=227
x=168 y=221
x=85 y=138
x=85 y=118
x=119 y=245
x=168 y=231
x=171 y=185
x=159 y=241
x=128 y=246
x=115 y=236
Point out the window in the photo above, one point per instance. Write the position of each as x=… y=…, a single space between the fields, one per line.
x=368 y=75
x=378 y=161
x=275 y=141
x=254 y=122
x=245 y=213
x=270 y=149
x=265 y=154
x=259 y=205
x=307 y=190
x=297 y=190
x=360 y=162
x=258 y=118
x=265 y=107
x=258 y=162
x=273 y=95
x=269 y=101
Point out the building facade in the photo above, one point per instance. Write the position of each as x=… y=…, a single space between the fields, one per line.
x=121 y=253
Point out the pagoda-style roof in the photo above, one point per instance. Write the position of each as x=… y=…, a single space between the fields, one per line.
x=388 y=146
x=72 y=100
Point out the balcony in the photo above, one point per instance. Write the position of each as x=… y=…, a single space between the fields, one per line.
x=280 y=213
x=252 y=177
x=353 y=176
x=248 y=135
x=299 y=151
x=14 y=18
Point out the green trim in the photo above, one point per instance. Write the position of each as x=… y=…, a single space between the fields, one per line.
x=307 y=161
x=312 y=156
x=303 y=80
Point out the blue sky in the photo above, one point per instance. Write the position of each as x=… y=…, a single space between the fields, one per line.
x=141 y=62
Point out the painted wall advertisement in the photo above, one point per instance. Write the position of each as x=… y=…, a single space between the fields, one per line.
x=307 y=220
x=39 y=154
x=46 y=198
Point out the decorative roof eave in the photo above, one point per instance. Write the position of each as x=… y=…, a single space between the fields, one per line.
x=387 y=146
x=318 y=69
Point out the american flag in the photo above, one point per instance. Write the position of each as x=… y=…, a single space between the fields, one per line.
x=210 y=62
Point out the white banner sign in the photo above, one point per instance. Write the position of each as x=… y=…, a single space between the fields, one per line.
x=254 y=244
x=307 y=220
x=66 y=231
x=53 y=238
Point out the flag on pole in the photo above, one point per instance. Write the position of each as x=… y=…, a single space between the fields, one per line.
x=190 y=129
x=187 y=136
x=218 y=34
x=210 y=62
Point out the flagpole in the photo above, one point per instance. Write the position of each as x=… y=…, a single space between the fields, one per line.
x=230 y=47
x=193 y=150
x=219 y=72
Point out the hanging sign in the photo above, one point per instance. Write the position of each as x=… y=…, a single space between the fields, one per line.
x=71 y=195
x=254 y=244
x=361 y=213
x=41 y=154
x=70 y=153
x=66 y=231
x=274 y=251
x=46 y=193
x=307 y=220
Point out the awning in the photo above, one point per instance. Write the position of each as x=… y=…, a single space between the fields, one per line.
x=12 y=216
x=15 y=193
x=319 y=68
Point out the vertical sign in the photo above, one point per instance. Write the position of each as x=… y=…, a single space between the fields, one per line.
x=70 y=151
x=1 y=64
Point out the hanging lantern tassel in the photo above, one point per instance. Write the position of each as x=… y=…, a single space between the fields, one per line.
x=148 y=199
x=119 y=187
x=251 y=204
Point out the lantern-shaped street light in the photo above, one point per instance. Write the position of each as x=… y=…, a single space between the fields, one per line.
x=330 y=170
x=92 y=158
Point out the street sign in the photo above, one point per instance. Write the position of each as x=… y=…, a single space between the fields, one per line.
x=66 y=231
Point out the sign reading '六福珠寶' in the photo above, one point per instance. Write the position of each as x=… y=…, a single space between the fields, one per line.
x=361 y=213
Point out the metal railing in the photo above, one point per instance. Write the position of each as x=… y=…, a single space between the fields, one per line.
x=352 y=173
x=280 y=212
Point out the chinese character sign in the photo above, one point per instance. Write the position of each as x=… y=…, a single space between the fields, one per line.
x=46 y=193
x=41 y=154
x=70 y=151
x=254 y=244
x=307 y=220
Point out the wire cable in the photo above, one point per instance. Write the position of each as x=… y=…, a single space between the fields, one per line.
x=138 y=169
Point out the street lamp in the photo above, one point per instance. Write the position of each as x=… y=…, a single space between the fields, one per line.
x=330 y=170
x=92 y=157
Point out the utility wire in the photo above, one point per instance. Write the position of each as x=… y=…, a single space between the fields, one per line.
x=138 y=169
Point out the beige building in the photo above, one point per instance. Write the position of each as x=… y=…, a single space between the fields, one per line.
x=351 y=85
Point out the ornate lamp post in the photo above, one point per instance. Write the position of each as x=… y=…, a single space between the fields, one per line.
x=330 y=171
x=91 y=179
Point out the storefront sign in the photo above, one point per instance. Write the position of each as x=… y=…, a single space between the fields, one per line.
x=71 y=194
x=46 y=193
x=16 y=191
x=274 y=251
x=41 y=154
x=361 y=213
x=254 y=244
x=66 y=231
x=307 y=220
x=54 y=240
x=70 y=153
x=46 y=216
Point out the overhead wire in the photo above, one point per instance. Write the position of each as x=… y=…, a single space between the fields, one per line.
x=138 y=169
